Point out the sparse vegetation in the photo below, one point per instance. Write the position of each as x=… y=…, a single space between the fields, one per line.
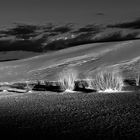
x=106 y=81
x=127 y=25
x=117 y=36
x=63 y=29
x=67 y=79
x=91 y=28
x=22 y=31
x=132 y=73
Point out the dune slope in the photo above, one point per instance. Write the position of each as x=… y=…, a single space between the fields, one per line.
x=84 y=58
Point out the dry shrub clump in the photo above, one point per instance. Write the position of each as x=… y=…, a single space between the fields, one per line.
x=106 y=80
x=67 y=79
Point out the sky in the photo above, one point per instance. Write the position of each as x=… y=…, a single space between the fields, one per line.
x=65 y=11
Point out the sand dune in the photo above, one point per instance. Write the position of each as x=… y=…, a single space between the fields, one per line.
x=84 y=58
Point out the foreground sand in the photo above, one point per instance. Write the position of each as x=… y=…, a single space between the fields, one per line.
x=77 y=115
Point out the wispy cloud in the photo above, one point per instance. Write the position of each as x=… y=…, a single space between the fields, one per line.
x=100 y=14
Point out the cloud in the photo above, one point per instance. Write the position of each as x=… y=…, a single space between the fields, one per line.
x=100 y=14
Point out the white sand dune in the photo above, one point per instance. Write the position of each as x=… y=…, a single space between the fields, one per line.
x=84 y=58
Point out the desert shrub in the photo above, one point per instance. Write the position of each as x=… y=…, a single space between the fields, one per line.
x=67 y=79
x=117 y=36
x=131 y=72
x=106 y=80
x=111 y=37
x=133 y=35
x=127 y=25
x=63 y=29
x=90 y=28
x=22 y=31
x=29 y=86
x=18 y=85
x=22 y=45
x=56 y=45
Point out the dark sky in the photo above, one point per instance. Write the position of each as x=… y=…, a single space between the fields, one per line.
x=61 y=11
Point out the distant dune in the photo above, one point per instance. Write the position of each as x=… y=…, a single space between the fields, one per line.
x=16 y=55
x=84 y=58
